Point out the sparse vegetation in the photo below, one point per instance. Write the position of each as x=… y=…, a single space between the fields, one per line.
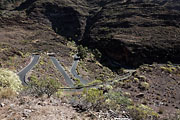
x=9 y=79
x=59 y=93
x=142 y=78
x=10 y=84
x=119 y=98
x=97 y=54
x=136 y=80
x=47 y=86
x=169 y=69
x=142 y=112
x=144 y=85
x=93 y=95
x=95 y=82
x=78 y=83
x=7 y=93
x=82 y=51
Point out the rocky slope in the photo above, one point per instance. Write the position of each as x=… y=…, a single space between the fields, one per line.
x=137 y=31
x=131 y=32
x=29 y=108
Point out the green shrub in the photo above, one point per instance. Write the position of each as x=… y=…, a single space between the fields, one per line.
x=78 y=82
x=127 y=94
x=108 y=87
x=47 y=86
x=93 y=95
x=95 y=82
x=119 y=98
x=105 y=101
x=9 y=79
x=136 y=80
x=41 y=62
x=97 y=54
x=59 y=93
x=142 y=112
x=144 y=85
x=142 y=78
x=82 y=51
x=7 y=93
x=168 y=69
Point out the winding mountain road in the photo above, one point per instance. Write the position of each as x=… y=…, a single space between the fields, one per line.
x=74 y=72
x=69 y=81
x=123 y=77
x=24 y=71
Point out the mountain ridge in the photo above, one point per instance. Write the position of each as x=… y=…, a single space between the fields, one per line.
x=132 y=32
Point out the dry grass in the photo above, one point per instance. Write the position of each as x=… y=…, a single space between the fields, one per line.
x=7 y=93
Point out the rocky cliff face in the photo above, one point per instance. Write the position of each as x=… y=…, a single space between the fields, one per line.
x=132 y=32
x=136 y=32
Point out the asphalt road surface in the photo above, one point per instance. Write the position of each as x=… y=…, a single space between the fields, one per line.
x=61 y=69
x=24 y=71
x=74 y=73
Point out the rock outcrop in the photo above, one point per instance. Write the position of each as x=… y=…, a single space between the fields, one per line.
x=134 y=32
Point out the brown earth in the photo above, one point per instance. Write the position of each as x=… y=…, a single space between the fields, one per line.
x=134 y=32
x=163 y=91
x=45 y=69
x=131 y=32
x=31 y=108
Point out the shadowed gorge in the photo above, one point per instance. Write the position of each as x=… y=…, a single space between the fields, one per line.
x=130 y=32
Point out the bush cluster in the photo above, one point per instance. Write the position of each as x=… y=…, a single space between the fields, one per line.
x=105 y=100
x=93 y=95
x=9 y=79
x=142 y=112
x=10 y=84
x=78 y=82
x=97 y=54
x=82 y=51
x=40 y=87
